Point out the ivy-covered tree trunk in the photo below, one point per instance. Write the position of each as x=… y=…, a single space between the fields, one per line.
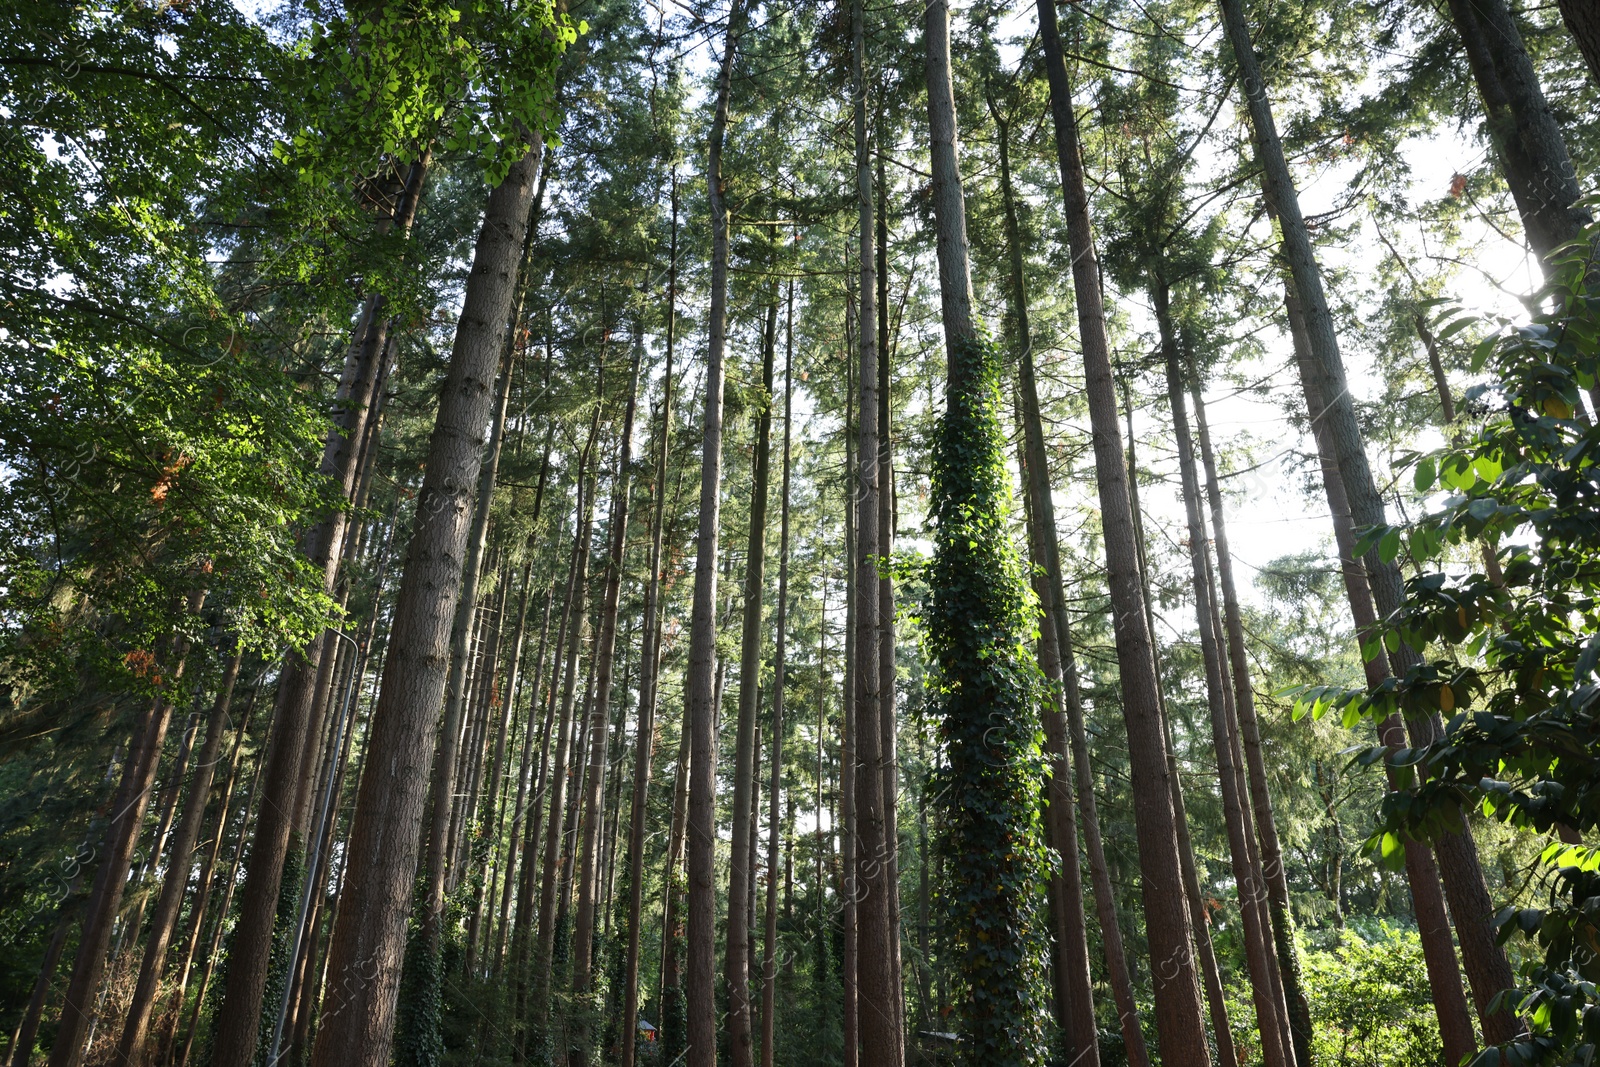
x=1179 y=1020
x=977 y=623
x=368 y=937
x=1074 y=995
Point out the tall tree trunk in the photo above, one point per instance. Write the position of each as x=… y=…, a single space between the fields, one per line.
x=1488 y=971
x=131 y=1045
x=1265 y=987
x=116 y=858
x=368 y=937
x=600 y=715
x=1250 y=730
x=886 y=629
x=437 y=860
x=701 y=991
x=1216 y=995
x=769 y=957
x=555 y=816
x=878 y=997
x=1583 y=22
x=1074 y=994
x=535 y=747
x=649 y=666
x=250 y=945
x=849 y=891
x=219 y=924
x=1179 y=1019
x=1422 y=873
x=490 y=824
x=736 y=960
x=1526 y=137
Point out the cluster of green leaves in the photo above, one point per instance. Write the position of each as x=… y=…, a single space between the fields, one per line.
x=1367 y=1002
x=1513 y=642
x=395 y=81
x=978 y=619
x=151 y=440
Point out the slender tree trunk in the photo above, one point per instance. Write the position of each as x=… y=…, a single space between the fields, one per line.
x=878 y=1011
x=368 y=938
x=886 y=632
x=219 y=924
x=116 y=858
x=769 y=957
x=736 y=960
x=490 y=825
x=1250 y=730
x=649 y=667
x=131 y=1045
x=1488 y=971
x=849 y=889
x=1422 y=874
x=250 y=945
x=535 y=747
x=701 y=995
x=600 y=715
x=1179 y=1019
x=1216 y=997
x=28 y=1030
x=1271 y=1015
x=554 y=837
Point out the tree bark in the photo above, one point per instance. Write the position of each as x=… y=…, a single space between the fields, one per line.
x=701 y=984
x=1488 y=971
x=439 y=855
x=250 y=945
x=1583 y=22
x=769 y=958
x=1422 y=874
x=555 y=816
x=736 y=958
x=879 y=998
x=357 y=1023
x=1179 y=1019
x=1526 y=137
